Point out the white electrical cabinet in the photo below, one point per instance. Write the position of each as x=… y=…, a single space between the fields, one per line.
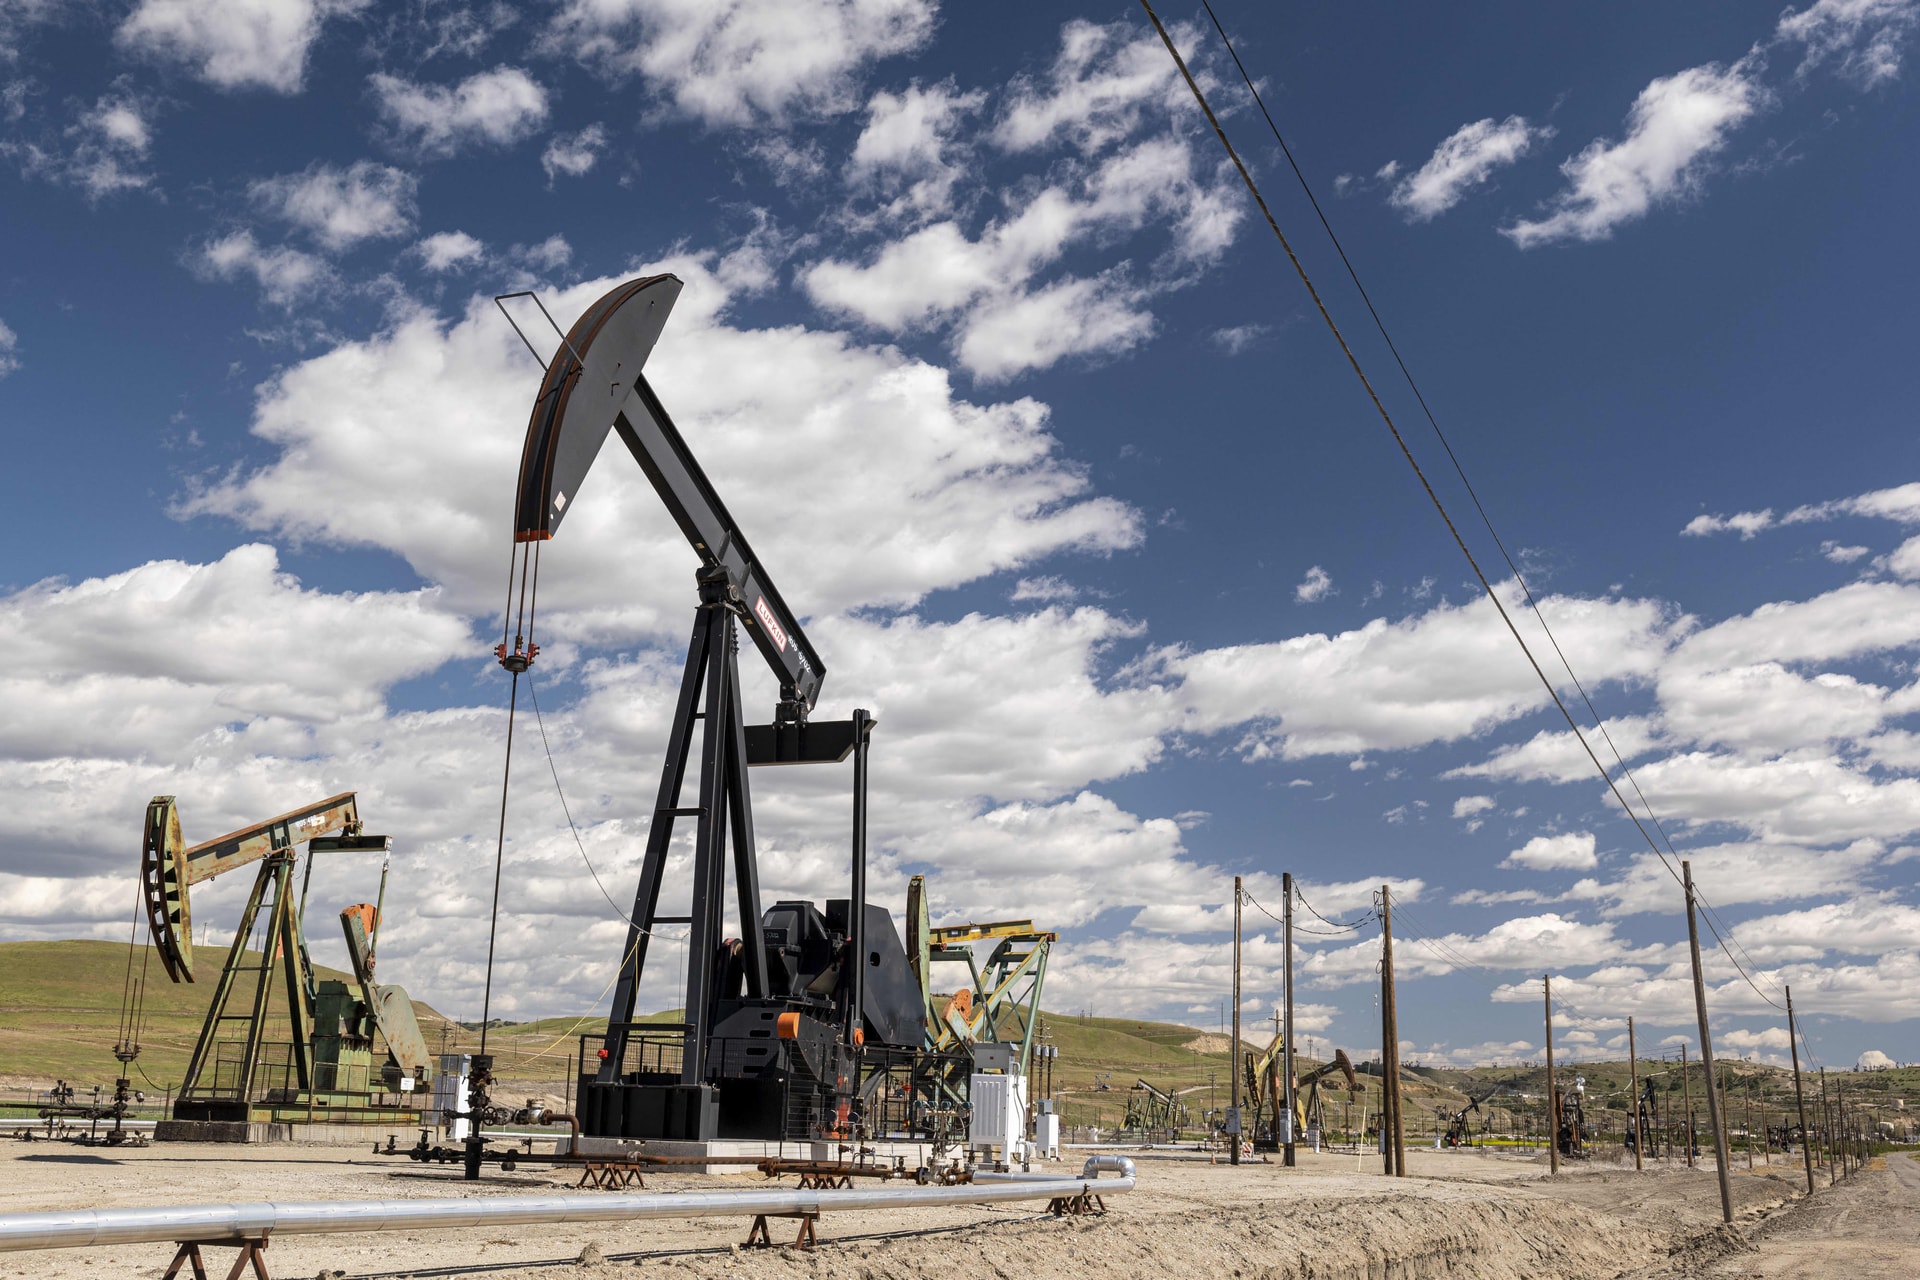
x=450 y=1093
x=1046 y=1136
x=999 y=1113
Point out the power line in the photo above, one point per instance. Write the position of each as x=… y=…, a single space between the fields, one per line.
x=1406 y=451
x=1445 y=950
x=1301 y=898
x=1459 y=469
x=1334 y=932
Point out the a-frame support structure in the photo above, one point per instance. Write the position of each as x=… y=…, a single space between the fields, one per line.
x=710 y=697
x=283 y=948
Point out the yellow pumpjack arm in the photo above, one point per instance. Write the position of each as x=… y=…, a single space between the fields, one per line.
x=168 y=866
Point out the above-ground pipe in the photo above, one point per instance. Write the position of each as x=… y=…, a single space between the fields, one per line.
x=1094 y=1167
x=80 y=1228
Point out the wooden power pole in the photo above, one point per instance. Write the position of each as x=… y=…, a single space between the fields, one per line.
x=1633 y=1073
x=1750 y=1125
x=1553 y=1091
x=1722 y=1156
x=1394 y=1139
x=1233 y=1130
x=1286 y=1034
x=1686 y=1093
x=1799 y=1090
x=1826 y=1124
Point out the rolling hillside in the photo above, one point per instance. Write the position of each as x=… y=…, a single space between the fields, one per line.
x=60 y=1011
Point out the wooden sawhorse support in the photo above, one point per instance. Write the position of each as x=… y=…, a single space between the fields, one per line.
x=252 y=1250
x=611 y=1175
x=1074 y=1206
x=761 y=1238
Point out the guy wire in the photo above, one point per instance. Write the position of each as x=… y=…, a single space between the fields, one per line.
x=540 y=721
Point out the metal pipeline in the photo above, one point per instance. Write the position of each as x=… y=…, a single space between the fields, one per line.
x=1095 y=1166
x=80 y=1228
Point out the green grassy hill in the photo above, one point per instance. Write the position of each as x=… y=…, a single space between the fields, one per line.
x=60 y=1012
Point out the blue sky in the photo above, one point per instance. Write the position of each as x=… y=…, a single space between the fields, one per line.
x=1027 y=413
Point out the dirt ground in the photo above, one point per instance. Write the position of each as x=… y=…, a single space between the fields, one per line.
x=1461 y=1214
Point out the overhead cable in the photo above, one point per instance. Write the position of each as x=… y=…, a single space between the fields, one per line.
x=1356 y=923
x=1326 y=316
x=1334 y=932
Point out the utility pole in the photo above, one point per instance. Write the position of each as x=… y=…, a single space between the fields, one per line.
x=1686 y=1092
x=1633 y=1073
x=1722 y=1156
x=1286 y=1034
x=1233 y=1130
x=1826 y=1123
x=1842 y=1131
x=1750 y=1126
x=1666 y=1115
x=1799 y=1092
x=1553 y=1091
x=1386 y=1104
x=1394 y=1142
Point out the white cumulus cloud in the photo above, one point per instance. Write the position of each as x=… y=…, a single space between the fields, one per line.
x=732 y=62
x=907 y=153
x=1865 y=35
x=1469 y=806
x=284 y=274
x=496 y=107
x=1573 y=851
x=234 y=44
x=1676 y=124
x=1316 y=586
x=574 y=154
x=1098 y=90
x=341 y=207
x=102 y=153
x=1465 y=159
x=449 y=249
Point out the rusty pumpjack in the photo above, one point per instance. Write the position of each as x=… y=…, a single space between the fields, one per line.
x=1647 y=1108
x=1571 y=1134
x=996 y=1002
x=1153 y=1110
x=1267 y=1096
x=329 y=1071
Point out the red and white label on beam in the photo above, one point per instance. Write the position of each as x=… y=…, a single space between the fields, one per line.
x=764 y=612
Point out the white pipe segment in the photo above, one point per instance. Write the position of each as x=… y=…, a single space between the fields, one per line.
x=80 y=1228
x=1095 y=1166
